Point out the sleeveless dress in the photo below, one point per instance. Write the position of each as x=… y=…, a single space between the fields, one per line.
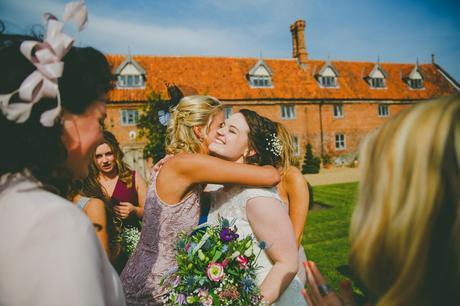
x=231 y=204
x=155 y=253
x=122 y=193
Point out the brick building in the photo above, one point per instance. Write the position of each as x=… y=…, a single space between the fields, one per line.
x=329 y=103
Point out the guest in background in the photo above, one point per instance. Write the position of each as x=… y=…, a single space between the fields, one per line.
x=405 y=229
x=87 y=195
x=125 y=188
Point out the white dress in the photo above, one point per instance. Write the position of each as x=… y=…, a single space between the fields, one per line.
x=49 y=253
x=231 y=204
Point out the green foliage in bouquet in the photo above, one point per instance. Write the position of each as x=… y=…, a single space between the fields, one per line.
x=215 y=266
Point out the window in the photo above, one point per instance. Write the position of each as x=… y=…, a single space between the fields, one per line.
x=287 y=112
x=338 y=111
x=129 y=116
x=296 y=144
x=383 y=110
x=415 y=83
x=130 y=80
x=260 y=81
x=327 y=81
x=339 y=141
x=377 y=82
x=227 y=112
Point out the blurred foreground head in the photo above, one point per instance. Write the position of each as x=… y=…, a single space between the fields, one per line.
x=405 y=231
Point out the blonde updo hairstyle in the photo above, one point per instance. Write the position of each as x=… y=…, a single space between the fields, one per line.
x=405 y=229
x=190 y=112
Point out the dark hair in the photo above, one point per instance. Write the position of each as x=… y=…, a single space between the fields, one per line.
x=261 y=131
x=30 y=145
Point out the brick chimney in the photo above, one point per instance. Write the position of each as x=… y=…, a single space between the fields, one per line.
x=298 y=42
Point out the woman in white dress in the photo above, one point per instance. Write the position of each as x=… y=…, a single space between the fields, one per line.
x=52 y=106
x=250 y=138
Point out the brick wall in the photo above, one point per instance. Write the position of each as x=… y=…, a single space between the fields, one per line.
x=359 y=118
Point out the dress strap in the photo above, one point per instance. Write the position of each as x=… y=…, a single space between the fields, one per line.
x=82 y=202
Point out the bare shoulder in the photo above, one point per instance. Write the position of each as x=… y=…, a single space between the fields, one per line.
x=293 y=175
x=95 y=206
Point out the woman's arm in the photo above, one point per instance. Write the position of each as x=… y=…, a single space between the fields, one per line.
x=201 y=168
x=297 y=192
x=141 y=188
x=270 y=223
x=95 y=210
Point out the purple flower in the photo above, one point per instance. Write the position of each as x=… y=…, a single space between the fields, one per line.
x=176 y=282
x=180 y=299
x=226 y=234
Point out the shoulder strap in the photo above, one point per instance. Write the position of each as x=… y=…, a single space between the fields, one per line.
x=82 y=202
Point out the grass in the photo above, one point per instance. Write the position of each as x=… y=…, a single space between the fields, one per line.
x=326 y=233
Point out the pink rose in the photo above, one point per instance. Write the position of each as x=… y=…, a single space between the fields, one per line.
x=215 y=271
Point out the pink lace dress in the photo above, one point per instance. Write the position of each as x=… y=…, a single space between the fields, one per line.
x=155 y=254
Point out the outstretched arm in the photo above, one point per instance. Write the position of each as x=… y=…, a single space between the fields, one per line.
x=270 y=223
x=201 y=168
x=297 y=191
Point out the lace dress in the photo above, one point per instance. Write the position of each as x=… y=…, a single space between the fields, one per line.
x=231 y=204
x=155 y=254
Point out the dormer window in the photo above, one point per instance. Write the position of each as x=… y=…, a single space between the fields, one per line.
x=327 y=81
x=260 y=76
x=415 y=83
x=327 y=76
x=130 y=80
x=376 y=78
x=415 y=78
x=377 y=82
x=130 y=74
x=260 y=81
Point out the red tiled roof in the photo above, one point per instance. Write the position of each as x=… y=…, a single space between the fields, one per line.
x=225 y=78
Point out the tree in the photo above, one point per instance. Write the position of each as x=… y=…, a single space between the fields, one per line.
x=151 y=128
x=311 y=163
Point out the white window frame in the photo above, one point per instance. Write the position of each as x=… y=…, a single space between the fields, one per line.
x=337 y=110
x=415 y=83
x=376 y=82
x=296 y=145
x=327 y=81
x=130 y=81
x=383 y=110
x=227 y=112
x=340 y=142
x=129 y=117
x=288 y=112
x=260 y=81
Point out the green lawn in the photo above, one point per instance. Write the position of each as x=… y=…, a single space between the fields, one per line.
x=326 y=233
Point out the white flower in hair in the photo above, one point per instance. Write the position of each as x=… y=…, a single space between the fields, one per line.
x=274 y=145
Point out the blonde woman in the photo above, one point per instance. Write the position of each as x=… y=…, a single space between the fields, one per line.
x=173 y=198
x=405 y=230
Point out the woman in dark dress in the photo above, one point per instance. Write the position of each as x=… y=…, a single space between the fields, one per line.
x=125 y=188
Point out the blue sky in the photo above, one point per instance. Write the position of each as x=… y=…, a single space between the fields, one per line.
x=356 y=30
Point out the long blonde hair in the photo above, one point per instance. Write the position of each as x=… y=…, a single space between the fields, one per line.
x=288 y=151
x=405 y=230
x=190 y=112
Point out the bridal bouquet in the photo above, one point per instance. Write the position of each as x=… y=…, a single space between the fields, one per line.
x=215 y=267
